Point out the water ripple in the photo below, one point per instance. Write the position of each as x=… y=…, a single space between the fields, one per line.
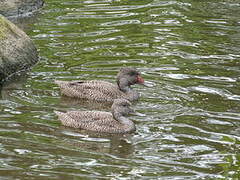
x=188 y=116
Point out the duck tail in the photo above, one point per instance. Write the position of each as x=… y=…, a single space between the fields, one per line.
x=58 y=113
x=60 y=83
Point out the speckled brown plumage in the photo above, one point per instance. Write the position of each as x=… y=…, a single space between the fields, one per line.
x=102 y=90
x=99 y=121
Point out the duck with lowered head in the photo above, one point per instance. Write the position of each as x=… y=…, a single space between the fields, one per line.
x=99 y=121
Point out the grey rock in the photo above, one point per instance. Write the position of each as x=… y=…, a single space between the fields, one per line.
x=19 y=7
x=17 y=51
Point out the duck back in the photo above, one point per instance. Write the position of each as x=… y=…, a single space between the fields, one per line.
x=94 y=90
x=94 y=121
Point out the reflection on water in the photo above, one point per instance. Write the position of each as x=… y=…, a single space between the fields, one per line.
x=83 y=103
x=188 y=121
x=120 y=145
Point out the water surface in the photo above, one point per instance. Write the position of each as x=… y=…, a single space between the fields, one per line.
x=189 y=128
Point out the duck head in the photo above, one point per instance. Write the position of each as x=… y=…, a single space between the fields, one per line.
x=121 y=107
x=127 y=77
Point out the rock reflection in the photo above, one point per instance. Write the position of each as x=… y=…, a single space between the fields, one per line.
x=14 y=82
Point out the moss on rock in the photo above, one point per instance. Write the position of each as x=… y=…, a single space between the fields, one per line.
x=3 y=28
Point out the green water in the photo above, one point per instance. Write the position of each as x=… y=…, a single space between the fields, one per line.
x=187 y=50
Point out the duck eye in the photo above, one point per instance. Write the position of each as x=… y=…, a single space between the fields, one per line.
x=132 y=73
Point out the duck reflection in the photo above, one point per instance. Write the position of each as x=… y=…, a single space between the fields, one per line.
x=83 y=103
x=120 y=145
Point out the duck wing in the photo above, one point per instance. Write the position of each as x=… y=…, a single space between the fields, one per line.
x=95 y=90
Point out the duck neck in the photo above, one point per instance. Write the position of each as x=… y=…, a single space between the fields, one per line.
x=128 y=124
x=123 y=85
x=132 y=95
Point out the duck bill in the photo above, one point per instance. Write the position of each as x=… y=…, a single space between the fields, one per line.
x=135 y=113
x=140 y=80
x=132 y=111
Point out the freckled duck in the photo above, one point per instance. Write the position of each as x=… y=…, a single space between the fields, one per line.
x=102 y=90
x=99 y=121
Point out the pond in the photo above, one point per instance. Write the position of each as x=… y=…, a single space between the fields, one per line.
x=188 y=120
